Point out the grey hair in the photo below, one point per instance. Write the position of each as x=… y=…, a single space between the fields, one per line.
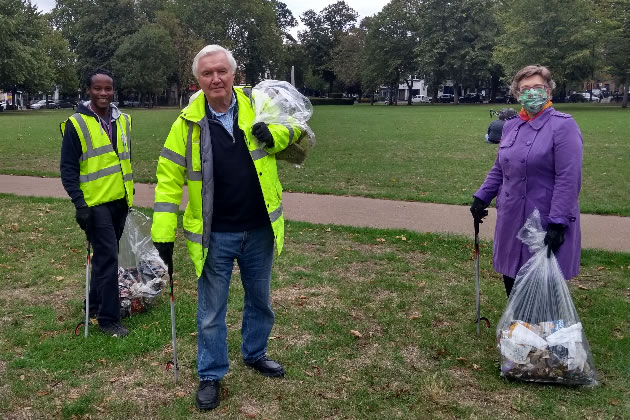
x=209 y=50
x=532 y=70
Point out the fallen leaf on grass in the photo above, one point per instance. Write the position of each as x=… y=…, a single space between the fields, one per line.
x=103 y=362
x=99 y=409
x=380 y=239
x=21 y=377
x=42 y=393
x=583 y=287
x=356 y=333
x=601 y=268
x=476 y=366
x=401 y=237
x=328 y=230
x=181 y=394
x=154 y=363
x=614 y=401
x=461 y=359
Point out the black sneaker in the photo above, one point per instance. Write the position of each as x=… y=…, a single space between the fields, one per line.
x=267 y=367
x=115 y=329
x=207 y=397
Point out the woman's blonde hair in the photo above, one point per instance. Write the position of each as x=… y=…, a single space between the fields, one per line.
x=529 y=71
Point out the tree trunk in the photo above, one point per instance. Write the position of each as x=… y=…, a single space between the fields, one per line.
x=410 y=95
x=455 y=93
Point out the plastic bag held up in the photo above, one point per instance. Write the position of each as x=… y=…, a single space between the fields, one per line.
x=540 y=336
x=141 y=272
x=279 y=102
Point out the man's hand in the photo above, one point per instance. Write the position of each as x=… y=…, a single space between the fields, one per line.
x=83 y=216
x=554 y=237
x=478 y=210
x=165 y=249
x=262 y=133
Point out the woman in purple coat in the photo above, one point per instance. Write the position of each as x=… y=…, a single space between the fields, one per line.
x=538 y=165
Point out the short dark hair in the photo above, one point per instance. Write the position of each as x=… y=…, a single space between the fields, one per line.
x=95 y=72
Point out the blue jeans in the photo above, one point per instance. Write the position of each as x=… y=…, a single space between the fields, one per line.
x=253 y=250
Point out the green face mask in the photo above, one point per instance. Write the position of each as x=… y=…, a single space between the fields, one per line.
x=533 y=100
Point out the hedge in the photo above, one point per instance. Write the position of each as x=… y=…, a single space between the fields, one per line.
x=332 y=101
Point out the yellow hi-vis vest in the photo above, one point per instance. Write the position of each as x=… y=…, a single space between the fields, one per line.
x=180 y=162
x=104 y=175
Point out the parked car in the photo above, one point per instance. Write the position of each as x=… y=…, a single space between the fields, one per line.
x=589 y=98
x=576 y=97
x=472 y=98
x=38 y=105
x=52 y=105
x=422 y=99
x=65 y=104
x=446 y=97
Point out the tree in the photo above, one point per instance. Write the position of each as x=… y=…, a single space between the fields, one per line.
x=391 y=41
x=617 y=47
x=34 y=57
x=348 y=60
x=143 y=60
x=185 y=45
x=457 y=41
x=560 y=34
x=95 y=29
x=323 y=35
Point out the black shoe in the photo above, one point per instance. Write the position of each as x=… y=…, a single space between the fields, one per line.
x=207 y=397
x=267 y=367
x=115 y=329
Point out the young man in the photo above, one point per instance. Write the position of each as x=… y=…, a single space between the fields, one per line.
x=234 y=212
x=96 y=173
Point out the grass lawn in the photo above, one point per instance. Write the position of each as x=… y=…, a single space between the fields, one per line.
x=408 y=296
x=433 y=153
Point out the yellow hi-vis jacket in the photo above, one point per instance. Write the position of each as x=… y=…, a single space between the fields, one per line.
x=180 y=161
x=104 y=175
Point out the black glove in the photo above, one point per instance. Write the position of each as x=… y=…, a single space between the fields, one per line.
x=478 y=209
x=554 y=237
x=165 y=249
x=262 y=133
x=82 y=217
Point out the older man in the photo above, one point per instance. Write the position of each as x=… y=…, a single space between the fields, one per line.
x=234 y=213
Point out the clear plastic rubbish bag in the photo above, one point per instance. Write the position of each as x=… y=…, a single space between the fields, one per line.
x=141 y=272
x=279 y=102
x=540 y=336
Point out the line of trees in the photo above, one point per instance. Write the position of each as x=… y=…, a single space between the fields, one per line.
x=149 y=44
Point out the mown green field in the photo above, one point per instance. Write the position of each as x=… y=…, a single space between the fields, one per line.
x=370 y=324
x=433 y=153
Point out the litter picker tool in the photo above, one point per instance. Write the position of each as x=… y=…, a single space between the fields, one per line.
x=478 y=318
x=86 y=322
x=173 y=363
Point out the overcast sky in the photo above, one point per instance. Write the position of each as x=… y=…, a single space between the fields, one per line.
x=363 y=7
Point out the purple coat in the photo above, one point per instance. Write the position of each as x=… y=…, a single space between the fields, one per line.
x=538 y=165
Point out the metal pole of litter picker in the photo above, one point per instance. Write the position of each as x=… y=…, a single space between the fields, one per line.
x=477 y=280
x=87 y=288
x=173 y=332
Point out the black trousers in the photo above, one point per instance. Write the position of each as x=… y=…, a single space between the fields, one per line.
x=107 y=222
x=509 y=283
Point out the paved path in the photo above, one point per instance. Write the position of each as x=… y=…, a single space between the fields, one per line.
x=603 y=232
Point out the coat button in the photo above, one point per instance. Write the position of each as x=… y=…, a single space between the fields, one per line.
x=528 y=143
x=507 y=194
x=523 y=178
x=523 y=196
x=507 y=160
x=522 y=160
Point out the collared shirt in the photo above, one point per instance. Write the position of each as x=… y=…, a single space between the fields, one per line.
x=105 y=125
x=225 y=118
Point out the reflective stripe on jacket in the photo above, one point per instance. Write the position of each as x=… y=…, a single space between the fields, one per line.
x=104 y=175
x=180 y=162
